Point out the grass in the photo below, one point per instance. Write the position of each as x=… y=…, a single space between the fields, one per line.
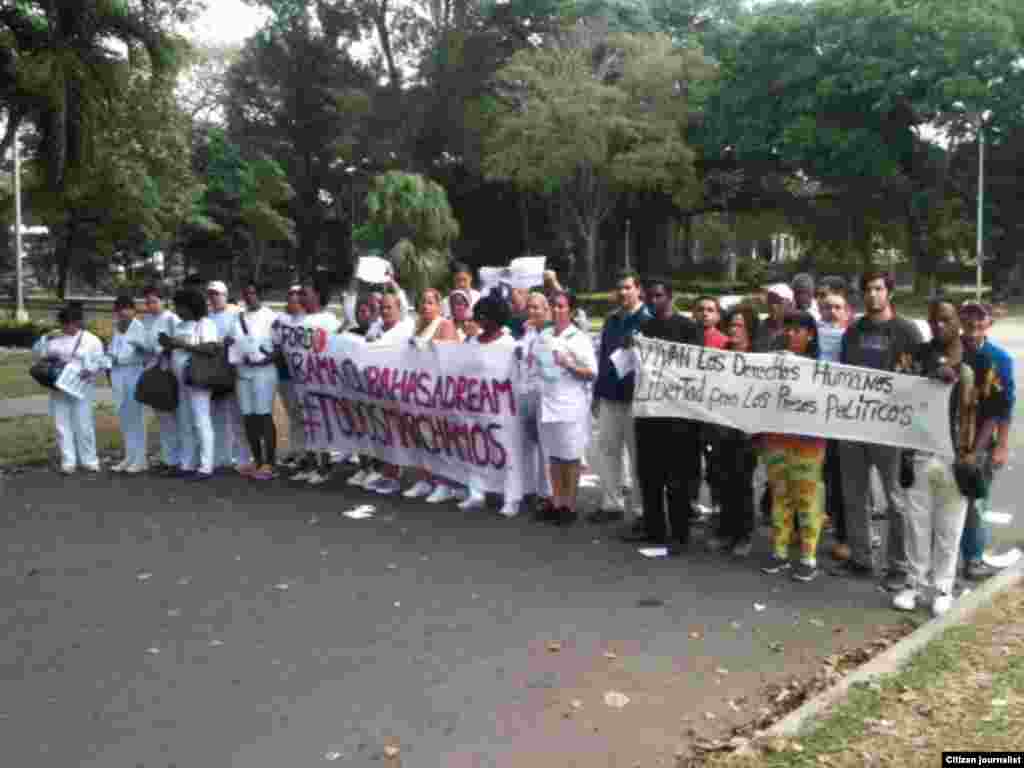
x=964 y=691
x=29 y=440
x=15 y=381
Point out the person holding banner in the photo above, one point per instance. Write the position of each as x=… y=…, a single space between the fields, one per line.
x=736 y=457
x=251 y=350
x=462 y=280
x=673 y=473
x=159 y=320
x=127 y=355
x=431 y=326
x=462 y=314
x=195 y=423
x=318 y=326
x=835 y=319
x=794 y=465
x=74 y=417
x=936 y=509
x=492 y=313
x=365 y=315
x=881 y=340
x=288 y=324
x=568 y=364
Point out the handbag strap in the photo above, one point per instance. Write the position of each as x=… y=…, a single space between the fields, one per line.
x=241 y=319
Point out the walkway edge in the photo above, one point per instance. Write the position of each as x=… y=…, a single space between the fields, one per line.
x=813 y=711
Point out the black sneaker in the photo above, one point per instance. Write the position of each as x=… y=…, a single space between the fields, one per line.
x=804 y=572
x=545 y=512
x=775 y=564
x=850 y=569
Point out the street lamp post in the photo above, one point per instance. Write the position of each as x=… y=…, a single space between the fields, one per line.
x=19 y=313
x=980 y=247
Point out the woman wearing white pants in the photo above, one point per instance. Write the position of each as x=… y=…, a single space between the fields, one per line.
x=195 y=425
x=158 y=320
x=74 y=418
x=127 y=353
x=935 y=508
x=536 y=479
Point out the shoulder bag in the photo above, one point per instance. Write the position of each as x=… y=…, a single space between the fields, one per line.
x=47 y=371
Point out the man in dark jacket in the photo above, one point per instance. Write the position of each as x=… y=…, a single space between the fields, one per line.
x=613 y=402
x=882 y=340
x=667 y=449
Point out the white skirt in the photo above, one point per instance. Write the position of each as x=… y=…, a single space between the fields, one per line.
x=564 y=440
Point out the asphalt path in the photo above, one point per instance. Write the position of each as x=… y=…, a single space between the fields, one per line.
x=151 y=622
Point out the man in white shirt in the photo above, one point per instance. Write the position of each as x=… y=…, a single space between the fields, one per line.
x=251 y=350
x=157 y=320
x=230 y=449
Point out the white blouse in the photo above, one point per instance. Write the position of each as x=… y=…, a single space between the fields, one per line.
x=564 y=396
x=192 y=332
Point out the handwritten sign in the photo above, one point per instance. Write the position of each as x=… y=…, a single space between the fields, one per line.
x=449 y=408
x=789 y=394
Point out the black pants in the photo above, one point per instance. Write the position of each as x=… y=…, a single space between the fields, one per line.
x=834 y=490
x=668 y=451
x=737 y=464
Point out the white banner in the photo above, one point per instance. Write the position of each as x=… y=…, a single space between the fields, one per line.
x=785 y=393
x=449 y=408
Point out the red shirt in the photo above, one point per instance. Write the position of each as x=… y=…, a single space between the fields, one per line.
x=715 y=338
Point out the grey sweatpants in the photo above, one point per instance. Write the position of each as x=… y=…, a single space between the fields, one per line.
x=856 y=460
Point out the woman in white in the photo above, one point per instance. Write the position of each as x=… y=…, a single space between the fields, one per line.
x=492 y=313
x=568 y=364
x=536 y=480
x=251 y=350
x=462 y=314
x=158 y=320
x=393 y=329
x=230 y=449
x=74 y=417
x=365 y=312
x=289 y=324
x=195 y=425
x=431 y=326
x=127 y=357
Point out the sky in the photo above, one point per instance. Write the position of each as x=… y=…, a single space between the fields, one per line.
x=228 y=21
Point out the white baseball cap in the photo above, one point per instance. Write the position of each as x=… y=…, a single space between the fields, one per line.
x=781 y=290
x=216 y=286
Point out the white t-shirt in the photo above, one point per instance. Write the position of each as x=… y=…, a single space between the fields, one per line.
x=165 y=322
x=530 y=366
x=564 y=396
x=257 y=344
x=400 y=331
x=192 y=332
x=129 y=348
x=89 y=353
x=223 y=321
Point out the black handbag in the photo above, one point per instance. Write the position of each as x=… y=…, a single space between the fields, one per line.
x=208 y=368
x=47 y=372
x=158 y=388
x=971 y=480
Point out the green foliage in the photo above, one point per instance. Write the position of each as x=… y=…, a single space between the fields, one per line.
x=410 y=216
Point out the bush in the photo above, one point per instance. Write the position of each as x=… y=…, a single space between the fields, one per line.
x=21 y=335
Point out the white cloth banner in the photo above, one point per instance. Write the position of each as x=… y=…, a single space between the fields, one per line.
x=525 y=272
x=784 y=393
x=450 y=408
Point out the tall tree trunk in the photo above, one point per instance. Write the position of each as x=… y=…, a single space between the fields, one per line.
x=688 y=256
x=590 y=236
x=65 y=251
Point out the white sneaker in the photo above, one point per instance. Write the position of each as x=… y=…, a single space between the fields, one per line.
x=357 y=479
x=301 y=477
x=475 y=501
x=421 y=489
x=509 y=509
x=136 y=469
x=371 y=479
x=94 y=468
x=316 y=478
x=386 y=486
x=121 y=466
x=67 y=470
x=942 y=603
x=440 y=494
x=905 y=600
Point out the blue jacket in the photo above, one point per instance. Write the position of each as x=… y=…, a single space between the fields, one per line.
x=993 y=378
x=617 y=327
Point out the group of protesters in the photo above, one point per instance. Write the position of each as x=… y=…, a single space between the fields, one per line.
x=568 y=386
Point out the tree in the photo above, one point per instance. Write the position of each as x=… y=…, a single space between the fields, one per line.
x=591 y=116
x=410 y=218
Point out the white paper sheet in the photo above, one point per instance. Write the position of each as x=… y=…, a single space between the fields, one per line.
x=70 y=381
x=373 y=269
x=624 y=361
x=525 y=272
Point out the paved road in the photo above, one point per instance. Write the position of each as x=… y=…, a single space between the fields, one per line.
x=151 y=622
x=38 y=405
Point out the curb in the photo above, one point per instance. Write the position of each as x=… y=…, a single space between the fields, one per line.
x=891 y=660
